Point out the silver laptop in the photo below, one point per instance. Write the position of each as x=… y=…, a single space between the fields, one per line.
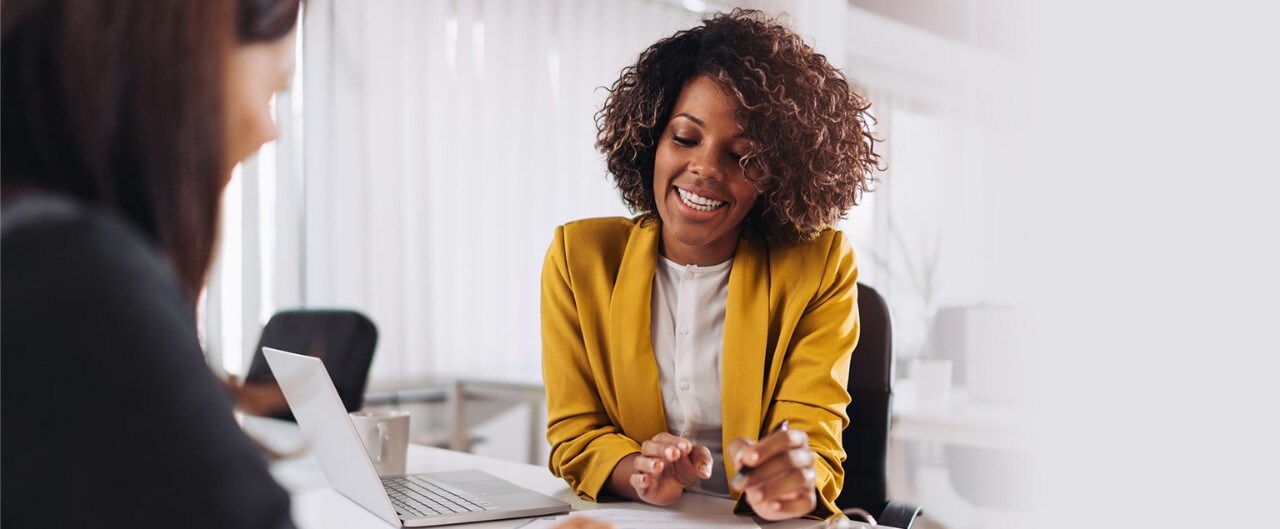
x=417 y=500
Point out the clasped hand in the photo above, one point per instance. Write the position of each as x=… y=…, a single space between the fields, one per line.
x=667 y=464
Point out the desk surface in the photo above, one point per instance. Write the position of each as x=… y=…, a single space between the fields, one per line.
x=316 y=505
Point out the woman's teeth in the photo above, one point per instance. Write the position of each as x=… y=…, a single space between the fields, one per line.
x=698 y=202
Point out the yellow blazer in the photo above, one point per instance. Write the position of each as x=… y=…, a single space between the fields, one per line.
x=791 y=323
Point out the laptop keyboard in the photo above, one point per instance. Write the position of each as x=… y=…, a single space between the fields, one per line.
x=418 y=496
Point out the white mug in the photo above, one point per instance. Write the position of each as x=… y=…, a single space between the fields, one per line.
x=385 y=434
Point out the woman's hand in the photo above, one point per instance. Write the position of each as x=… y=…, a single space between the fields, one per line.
x=665 y=465
x=781 y=483
x=256 y=398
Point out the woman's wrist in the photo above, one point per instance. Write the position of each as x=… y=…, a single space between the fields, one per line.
x=620 y=479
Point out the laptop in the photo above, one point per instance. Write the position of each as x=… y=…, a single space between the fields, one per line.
x=418 y=500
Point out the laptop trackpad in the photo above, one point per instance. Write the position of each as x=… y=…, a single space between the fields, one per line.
x=494 y=486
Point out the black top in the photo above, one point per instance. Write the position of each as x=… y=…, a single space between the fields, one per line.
x=111 y=417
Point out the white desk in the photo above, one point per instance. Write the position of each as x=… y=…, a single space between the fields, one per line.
x=317 y=506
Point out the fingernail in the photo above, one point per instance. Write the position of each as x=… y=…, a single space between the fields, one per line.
x=671 y=452
x=684 y=445
x=653 y=465
x=775 y=505
x=751 y=458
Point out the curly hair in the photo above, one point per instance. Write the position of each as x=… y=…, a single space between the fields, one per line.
x=809 y=128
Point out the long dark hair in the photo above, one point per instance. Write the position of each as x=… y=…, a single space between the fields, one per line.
x=120 y=104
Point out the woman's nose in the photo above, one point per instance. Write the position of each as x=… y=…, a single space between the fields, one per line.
x=707 y=164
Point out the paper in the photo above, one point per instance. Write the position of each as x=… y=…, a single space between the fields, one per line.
x=645 y=519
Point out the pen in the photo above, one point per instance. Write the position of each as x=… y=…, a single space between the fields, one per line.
x=742 y=472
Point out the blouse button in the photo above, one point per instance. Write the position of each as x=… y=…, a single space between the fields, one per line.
x=684 y=331
x=684 y=386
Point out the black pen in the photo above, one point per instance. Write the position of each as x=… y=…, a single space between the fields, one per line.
x=742 y=472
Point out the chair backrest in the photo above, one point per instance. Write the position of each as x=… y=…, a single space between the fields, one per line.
x=866 y=439
x=344 y=339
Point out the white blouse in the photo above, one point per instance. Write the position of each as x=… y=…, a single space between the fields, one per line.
x=687 y=330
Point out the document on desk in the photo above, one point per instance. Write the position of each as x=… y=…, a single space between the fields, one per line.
x=637 y=519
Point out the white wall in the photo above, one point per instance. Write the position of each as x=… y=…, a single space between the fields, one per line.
x=1154 y=185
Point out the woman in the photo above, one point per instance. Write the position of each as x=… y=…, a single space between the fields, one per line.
x=672 y=342
x=122 y=122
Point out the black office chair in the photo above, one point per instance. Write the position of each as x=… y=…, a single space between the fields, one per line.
x=344 y=339
x=866 y=440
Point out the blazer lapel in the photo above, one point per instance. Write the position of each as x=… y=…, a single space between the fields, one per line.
x=635 y=369
x=746 y=321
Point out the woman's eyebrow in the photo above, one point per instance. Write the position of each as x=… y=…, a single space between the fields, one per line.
x=690 y=117
x=700 y=123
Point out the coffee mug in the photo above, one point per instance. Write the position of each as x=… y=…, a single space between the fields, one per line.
x=385 y=434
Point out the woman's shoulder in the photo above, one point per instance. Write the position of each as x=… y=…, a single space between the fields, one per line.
x=42 y=219
x=62 y=243
x=600 y=236
x=596 y=248
x=814 y=266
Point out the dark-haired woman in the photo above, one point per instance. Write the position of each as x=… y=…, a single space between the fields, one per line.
x=122 y=122
x=677 y=345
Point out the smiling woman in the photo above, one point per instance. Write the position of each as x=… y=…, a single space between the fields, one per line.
x=677 y=342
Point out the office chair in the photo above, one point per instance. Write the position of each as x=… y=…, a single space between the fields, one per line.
x=866 y=439
x=344 y=339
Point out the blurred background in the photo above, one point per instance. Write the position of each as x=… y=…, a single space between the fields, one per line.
x=429 y=148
